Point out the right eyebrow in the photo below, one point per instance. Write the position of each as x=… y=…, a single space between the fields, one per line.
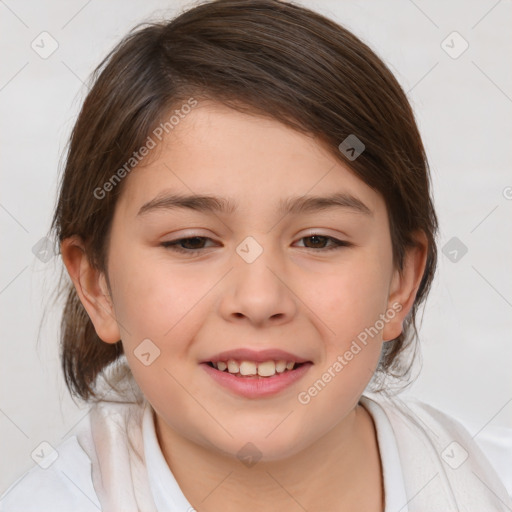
x=200 y=203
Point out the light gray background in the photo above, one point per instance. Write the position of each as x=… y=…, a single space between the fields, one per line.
x=463 y=107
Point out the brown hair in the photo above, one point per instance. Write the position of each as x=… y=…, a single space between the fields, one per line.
x=265 y=57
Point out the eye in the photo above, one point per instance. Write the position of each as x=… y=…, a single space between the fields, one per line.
x=319 y=241
x=192 y=245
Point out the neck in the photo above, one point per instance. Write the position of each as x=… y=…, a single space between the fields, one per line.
x=340 y=471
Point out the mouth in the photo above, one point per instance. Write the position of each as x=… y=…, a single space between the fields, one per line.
x=252 y=369
x=256 y=380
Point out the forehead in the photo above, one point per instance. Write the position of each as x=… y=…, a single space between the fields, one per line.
x=252 y=160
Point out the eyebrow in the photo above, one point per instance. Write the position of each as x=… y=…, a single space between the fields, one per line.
x=294 y=205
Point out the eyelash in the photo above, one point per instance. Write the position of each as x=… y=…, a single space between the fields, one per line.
x=174 y=245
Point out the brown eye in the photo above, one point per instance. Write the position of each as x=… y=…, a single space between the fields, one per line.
x=317 y=241
x=190 y=245
x=320 y=241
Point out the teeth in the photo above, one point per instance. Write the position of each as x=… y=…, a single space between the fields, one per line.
x=280 y=366
x=267 y=369
x=232 y=366
x=248 y=368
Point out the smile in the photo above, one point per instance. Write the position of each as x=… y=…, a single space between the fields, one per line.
x=244 y=378
x=251 y=368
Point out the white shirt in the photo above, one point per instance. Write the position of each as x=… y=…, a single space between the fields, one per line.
x=114 y=463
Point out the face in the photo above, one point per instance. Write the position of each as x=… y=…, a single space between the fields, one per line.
x=190 y=282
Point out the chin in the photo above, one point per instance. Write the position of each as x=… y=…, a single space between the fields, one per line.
x=254 y=447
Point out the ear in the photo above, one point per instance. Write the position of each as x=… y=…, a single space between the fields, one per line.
x=404 y=286
x=91 y=287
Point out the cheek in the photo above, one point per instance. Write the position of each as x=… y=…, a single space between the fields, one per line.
x=151 y=296
x=352 y=297
x=158 y=308
x=350 y=306
x=163 y=303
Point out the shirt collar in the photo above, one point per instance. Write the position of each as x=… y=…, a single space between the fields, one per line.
x=167 y=494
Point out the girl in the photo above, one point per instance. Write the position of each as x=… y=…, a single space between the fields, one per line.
x=245 y=216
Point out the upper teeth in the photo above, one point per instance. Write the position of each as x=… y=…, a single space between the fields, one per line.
x=264 y=369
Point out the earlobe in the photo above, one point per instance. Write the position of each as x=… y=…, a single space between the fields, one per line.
x=90 y=285
x=404 y=286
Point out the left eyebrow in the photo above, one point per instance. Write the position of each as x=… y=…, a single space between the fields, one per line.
x=295 y=205
x=311 y=204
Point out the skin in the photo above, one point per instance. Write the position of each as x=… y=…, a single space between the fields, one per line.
x=297 y=296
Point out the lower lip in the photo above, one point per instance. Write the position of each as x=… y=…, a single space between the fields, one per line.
x=255 y=386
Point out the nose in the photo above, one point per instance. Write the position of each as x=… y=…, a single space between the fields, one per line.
x=258 y=293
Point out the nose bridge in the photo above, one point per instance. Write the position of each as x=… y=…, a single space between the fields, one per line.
x=255 y=289
x=253 y=264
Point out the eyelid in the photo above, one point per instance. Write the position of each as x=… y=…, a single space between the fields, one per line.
x=175 y=243
x=322 y=232
x=336 y=243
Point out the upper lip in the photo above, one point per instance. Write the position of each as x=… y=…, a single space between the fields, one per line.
x=258 y=356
